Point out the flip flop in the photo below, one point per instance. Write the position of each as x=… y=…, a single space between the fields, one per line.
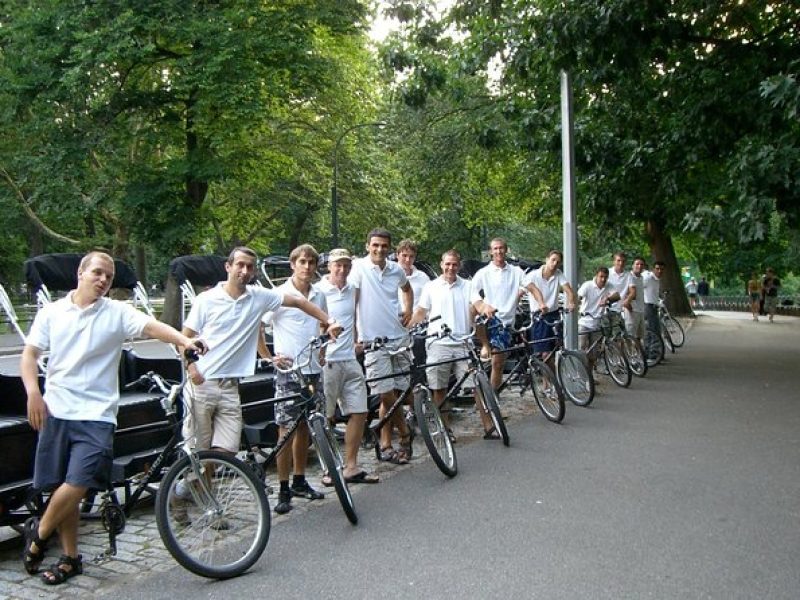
x=326 y=480
x=362 y=477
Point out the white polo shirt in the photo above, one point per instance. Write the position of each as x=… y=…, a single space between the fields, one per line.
x=418 y=280
x=592 y=300
x=378 y=304
x=292 y=329
x=652 y=287
x=342 y=307
x=85 y=346
x=637 y=281
x=550 y=287
x=618 y=282
x=230 y=326
x=451 y=302
x=501 y=287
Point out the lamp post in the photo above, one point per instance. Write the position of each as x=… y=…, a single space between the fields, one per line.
x=334 y=187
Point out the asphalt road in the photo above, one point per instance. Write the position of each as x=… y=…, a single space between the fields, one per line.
x=686 y=485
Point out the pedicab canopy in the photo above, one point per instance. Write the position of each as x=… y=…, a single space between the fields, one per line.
x=199 y=270
x=59 y=272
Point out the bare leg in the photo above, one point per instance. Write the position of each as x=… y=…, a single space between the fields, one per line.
x=498 y=361
x=352 y=439
x=284 y=460
x=387 y=400
x=300 y=449
x=63 y=514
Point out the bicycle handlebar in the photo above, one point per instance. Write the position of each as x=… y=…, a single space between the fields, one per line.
x=315 y=343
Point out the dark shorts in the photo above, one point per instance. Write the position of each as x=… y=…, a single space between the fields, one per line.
x=542 y=330
x=499 y=334
x=76 y=452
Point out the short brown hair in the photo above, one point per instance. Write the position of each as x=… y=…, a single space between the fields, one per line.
x=304 y=250
x=379 y=232
x=95 y=254
x=244 y=250
x=407 y=246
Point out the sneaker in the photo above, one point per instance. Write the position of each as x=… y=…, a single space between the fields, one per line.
x=304 y=490
x=284 y=504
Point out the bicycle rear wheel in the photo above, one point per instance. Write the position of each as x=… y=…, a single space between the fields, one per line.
x=546 y=390
x=653 y=348
x=331 y=460
x=674 y=330
x=215 y=524
x=575 y=378
x=434 y=432
x=616 y=363
x=488 y=397
x=635 y=355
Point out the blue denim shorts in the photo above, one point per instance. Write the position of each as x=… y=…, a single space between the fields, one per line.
x=76 y=452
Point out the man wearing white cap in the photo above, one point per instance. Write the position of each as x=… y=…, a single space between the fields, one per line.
x=344 y=379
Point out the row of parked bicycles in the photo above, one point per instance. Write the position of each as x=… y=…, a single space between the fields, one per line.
x=212 y=508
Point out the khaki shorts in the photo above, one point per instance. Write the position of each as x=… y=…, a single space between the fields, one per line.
x=587 y=337
x=213 y=414
x=634 y=323
x=381 y=364
x=439 y=376
x=344 y=383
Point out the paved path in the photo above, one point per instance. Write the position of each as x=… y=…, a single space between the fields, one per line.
x=685 y=485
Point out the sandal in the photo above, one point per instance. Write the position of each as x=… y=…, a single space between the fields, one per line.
x=391 y=455
x=57 y=574
x=326 y=480
x=32 y=559
x=491 y=434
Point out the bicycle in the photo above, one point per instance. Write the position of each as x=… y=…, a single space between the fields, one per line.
x=531 y=371
x=311 y=403
x=218 y=524
x=427 y=414
x=484 y=392
x=671 y=329
x=573 y=376
x=609 y=347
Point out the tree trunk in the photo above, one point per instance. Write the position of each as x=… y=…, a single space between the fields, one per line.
x=173 y=304
x=671 y=281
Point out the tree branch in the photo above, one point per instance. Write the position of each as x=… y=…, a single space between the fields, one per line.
x=32 y=216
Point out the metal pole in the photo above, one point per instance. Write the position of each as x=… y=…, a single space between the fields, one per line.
x=570 y=230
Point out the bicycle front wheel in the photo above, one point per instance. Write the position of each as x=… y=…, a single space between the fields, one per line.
x=616 y=363
x=635 y=355
x=488 y=397
x=674 y=330
x=574 y=377
x=546 y=390
x=434 y=432
x=213 y=518
x=333 y=465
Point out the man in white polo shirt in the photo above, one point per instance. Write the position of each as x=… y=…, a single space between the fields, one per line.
x=550 y=281
x=652 y=294
x=343 y=377
x=501 y=284
x=291 y=331
x=595 y=295
x=228 y=318
x=84 y=333
x=634 y=301
x=406 y=253
x=447 y=300
x=382 y=314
